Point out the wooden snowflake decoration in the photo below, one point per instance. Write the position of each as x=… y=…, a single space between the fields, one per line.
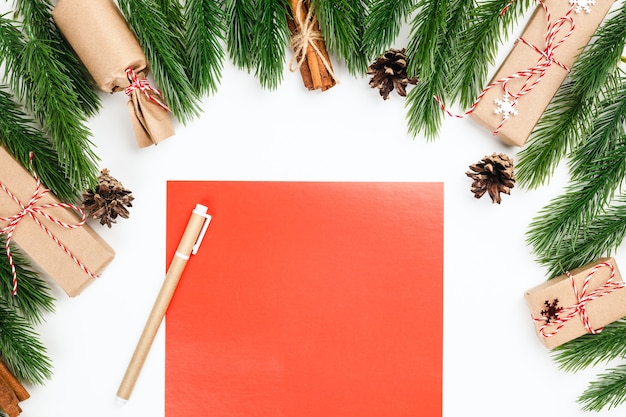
x=582 y=5
x=552 y=310
x=506 y=107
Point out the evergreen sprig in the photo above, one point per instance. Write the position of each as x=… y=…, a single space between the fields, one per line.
x=342 y=22
x=166 y=58
x=240 y=18
x=608 y=391
x=432 y=48
x=598 y=172
x=204 y=36
x=270 y=38
x=383 y=23
x=21 y=348
x=567 y=120
x=20 y=137
x=38 y=24
x=39 y=80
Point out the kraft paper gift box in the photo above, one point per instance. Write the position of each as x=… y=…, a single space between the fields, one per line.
x=82 y=242
x=554 y=303
x=106 y=45
x=517 y=128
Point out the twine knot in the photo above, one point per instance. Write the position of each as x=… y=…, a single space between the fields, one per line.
x=583 y=298
x=143 y=85
x=33 y=210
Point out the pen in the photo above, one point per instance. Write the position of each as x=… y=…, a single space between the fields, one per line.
x=189 y=244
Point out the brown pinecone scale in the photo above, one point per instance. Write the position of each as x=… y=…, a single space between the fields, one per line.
x=108 y=201
x=494 y=175
x=389 y=73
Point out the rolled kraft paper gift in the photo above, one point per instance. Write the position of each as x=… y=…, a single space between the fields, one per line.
x=106 y=45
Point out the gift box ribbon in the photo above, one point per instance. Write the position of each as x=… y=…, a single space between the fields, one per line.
x=533 y=75
x=32 y=210
x=144 y=87
x=583 y=297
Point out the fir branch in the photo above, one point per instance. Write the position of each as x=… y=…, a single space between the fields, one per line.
x=38 y=80
x=33 y=299
x=567 y=120
x=592 y=349
x=342 y=22
x=383 y=23
x=478 y=45
x=21 y=349
x=163 y=52
x=240 y=17
x=20 y=137
x=594 y=183
x=608 y=391
x=433 y=62
x=270 y=39
x=38 y=24
x=204 y=34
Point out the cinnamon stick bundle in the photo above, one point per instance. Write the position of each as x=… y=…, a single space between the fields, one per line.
x=11 y=392
x=311 y=56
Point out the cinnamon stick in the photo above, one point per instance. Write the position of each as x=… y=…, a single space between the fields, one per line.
x=13 y=382
x=8 y=400
x=305 y=72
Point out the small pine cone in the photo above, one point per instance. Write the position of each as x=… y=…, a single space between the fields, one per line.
x=108 y=201
x=493 y=174
x=389 y=72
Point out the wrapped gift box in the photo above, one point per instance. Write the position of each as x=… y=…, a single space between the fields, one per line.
x=556 y=305
x=82 y=242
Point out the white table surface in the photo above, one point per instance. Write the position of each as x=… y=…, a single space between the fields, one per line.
x=493 y=363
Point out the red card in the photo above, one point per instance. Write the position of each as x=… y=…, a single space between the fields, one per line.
x=307 y=299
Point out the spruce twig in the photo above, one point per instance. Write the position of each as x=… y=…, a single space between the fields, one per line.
x=167 y=61
x=39 y=80
x=383 y=23
x=38 y=24
x=21 y=349
x=204 y=34
x=432 y=46
x=342 y=22
x=270 y=39
x=568 y=118
x=608 y=391
x=240 y=18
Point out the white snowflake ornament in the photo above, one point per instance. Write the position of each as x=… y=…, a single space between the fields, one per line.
x=582 y=5
x=506 y=107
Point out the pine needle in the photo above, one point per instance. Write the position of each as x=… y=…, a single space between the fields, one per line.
x=567 y=120
x=592 y=349
x=167 y=61
x=21 y=349
x=608 y=391
x=204 y=34
x=270 y=40
x=383 y=24
x=342 y=22
x=240 y=19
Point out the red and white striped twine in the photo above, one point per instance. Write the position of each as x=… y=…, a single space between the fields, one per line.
x=31 y=209
x=535 y=74
x=582 y=299
x=144 y=86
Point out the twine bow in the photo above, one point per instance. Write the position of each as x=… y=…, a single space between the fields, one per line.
x=33 y=210
x=534 y=75
x=305 y=38
x=582 y=299
x=144 y=87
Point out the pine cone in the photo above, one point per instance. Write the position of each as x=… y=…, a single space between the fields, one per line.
x=493 y=174
x=108 y=201
x=389 y=72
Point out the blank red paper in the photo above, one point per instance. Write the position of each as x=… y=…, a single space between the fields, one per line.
x=307 y=299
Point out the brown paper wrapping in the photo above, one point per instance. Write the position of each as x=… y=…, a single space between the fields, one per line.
x=516 y=130
x=106 y=45
x=601 y=311
x=83 y=242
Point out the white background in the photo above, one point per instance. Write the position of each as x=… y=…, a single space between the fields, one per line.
x=493 y=363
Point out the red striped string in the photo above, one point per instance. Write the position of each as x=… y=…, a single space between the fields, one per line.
x=144 y=86
x=534 y=75
x=583 y=297
x=31 y=210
